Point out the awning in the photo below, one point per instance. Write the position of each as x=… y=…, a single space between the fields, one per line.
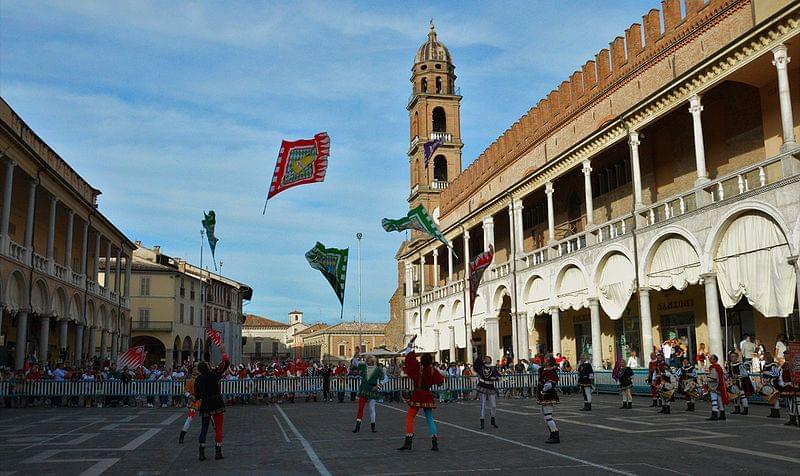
x=675 y=264
x=616 y=285
x=538 y=298
x=573 y=292
x=751 y=262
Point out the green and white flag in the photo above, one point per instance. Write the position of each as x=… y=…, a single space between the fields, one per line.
x=417 y=219
x=332 y=263
x=209 y=223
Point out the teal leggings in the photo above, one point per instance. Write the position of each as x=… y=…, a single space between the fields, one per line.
x=412 y=413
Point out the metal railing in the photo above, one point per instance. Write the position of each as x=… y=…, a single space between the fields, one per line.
x=151 y=326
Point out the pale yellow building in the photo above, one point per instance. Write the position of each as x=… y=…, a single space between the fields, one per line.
x=264 y=339
x=338 y=342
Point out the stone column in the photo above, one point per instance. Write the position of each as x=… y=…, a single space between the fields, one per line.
x=96 y=258
x=409 y=280
x=449 y=263
x=437 y=346
x=103 y=343
x=436 y=268
x=29 y=220
x=68 y=246
x=488 y=232
x=85 y=248
x=22 y=339
x=114 y=345
x=695 y=108
x=107 y=272
x=781 y=61
x=633 y=145
x=118 y=271
x=8 y=187
x=90 y=344
x=712 y=316
x=466 y=255
x=556 y=329
x=523 y=336
x=551 y=219
x=78 y=343
x=469 y=342
x=493 y=338
x=646 y=323
x=51 y=234
x=62 y=336
x=597 y=343
x=421 y=274
x=44 y=337
x=515 y=224
x=587 y=190
x=453 y=351
x=128 y=261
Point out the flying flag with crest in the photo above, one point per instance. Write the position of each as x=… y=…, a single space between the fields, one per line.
x=429 y=148
x=215 y=337
x=300 y=162
x=332 y=263
x=132 y=358
x=416 y=219
x=476 y=270
x=209 y=225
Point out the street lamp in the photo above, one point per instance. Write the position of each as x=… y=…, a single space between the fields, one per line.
x=360 y=336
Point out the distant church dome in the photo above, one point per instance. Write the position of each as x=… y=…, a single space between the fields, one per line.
x=432 y=50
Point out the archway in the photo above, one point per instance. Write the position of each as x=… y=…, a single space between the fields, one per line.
x=440 y=168
x=177 y=346
x=156 y=351
x=439 y=119
x=186 y=350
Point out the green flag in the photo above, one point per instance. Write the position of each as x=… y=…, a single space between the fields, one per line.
x=209 y=223
x=332 y=263
x=417 y=219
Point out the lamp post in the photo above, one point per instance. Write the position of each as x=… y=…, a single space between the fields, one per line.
x=360 y=331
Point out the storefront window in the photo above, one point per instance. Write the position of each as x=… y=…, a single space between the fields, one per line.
x=737 y=322
x=628 y=338
x=583 y=339
x=678 y=329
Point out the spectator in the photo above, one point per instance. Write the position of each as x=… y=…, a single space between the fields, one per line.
x=780 y=348
x=633 y=360
x=747 y=348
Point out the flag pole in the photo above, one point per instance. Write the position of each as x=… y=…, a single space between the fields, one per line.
x=202 y=299
x=360 y=326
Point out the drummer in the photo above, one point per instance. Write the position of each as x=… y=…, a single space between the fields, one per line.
x=687 y=383
x=770 y=385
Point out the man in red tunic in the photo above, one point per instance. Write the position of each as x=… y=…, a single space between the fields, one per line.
x=423 y=376
x=717 y=388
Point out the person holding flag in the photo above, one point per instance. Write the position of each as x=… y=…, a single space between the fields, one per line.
x=194 y=404
x=372 y=377
x=423 y=375
x=212 y=406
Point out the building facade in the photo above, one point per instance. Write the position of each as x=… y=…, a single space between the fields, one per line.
x=654 y=194
x=52 y=239
x=339 y=342
x=264 y=339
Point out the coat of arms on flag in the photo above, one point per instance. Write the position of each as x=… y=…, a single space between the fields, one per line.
x=300 y=162
x=215 y=337
x=133 y=358
x=476 y=270
x=416 y=219
x=429 y=148
x=332 y=263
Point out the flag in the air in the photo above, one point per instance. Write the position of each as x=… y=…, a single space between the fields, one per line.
x=300 y=162
x=332 y=263
x=429 y=148
x=215 y=337
x=209 y=224
x=133 y=358
x=417 y=219
x=476 y=270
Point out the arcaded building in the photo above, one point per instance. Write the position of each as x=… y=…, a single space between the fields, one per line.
x=652 y=195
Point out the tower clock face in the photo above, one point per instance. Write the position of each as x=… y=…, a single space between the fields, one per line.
x=435 y=215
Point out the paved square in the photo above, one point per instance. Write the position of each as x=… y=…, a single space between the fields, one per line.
x=316 y=438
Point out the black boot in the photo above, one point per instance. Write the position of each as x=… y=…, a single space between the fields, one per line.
x=736 y=410
x=554 y=438
x=372 y=427
x=358 y=426
x=202 y=452
x=669 y=409
x=722 y=415
x=714 y=417
x=407 y=445
x=624 y=406
x=655 y=403
x=792 y=421
x=482 y=423
x=745 y=410
x=494 y=423
x=663 y=409
x=630 y=405
x=434 y=443
x=586 y=407
x=690 y=407
x=218 y=452
x=180 y=438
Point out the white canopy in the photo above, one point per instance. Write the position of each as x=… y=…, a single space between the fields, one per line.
x=573 y=291
x=675 y=264
x=538 y=299
x=616 y=285
x=751 y=262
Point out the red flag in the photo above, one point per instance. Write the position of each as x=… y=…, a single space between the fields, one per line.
x=215 y=337
x=133 y=358
x=476 y=270
x=300 y=162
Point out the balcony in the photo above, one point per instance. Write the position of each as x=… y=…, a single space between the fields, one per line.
x=91 y=286
x=77 y=279
x=445 y=137
x=60 y=271
x=16 y=251
x=439 y=184
x=40 y=263
x=146 y=326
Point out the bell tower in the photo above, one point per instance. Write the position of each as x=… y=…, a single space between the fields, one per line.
x=434 y=111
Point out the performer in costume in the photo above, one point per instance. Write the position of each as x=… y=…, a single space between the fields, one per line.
x=547 y=394
x=487 y=376
x=586 y=382
x=652 y=368
x=770 y=378
x=423 y=376
x=740 y=375
x=372 y=378
x=625 y=378
x=687 y=383
x=193 y=404
x=212 y=406
x=716 y=385
x=666 y=387
x=791 y=393
x=340 y=372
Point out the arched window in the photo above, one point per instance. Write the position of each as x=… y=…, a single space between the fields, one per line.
x=438 y=85
x=439 y=120
x=424 y=85
x=415 y=125
x=440 y=168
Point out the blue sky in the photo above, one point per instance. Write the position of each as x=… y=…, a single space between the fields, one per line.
x=171 y=108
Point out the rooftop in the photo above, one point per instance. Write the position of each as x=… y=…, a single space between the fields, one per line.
x=253 y=321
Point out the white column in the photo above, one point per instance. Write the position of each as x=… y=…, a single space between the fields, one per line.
x=128 y=261
x=488 y=232
x=68 y=246
x=695 y=108
x=114 y=345
x=22 y=339
x=51 y=232
x=44 y=335
x=29 y=219
x=436 y=268
x=781 y=61
x=452 y=343
x=409 y=280
x=466 y=255
x=587 y=190
x=78 y=344
x=449 y=263
x=633 y=145
x=96 y=270
x=597 y=343
x=551 y=223
x=515 y=225
x=90 y=344
x=437 y=347
x=469 y=342
x=493 y=338
x=107 y=272
x=523 y=336
x=646 y=324
x=712 y=316
x=555 y=324
x=118 y=271
x=8 y=186
x=103 y=343
x=62 y=336
x=85 y=248
x=422 y=274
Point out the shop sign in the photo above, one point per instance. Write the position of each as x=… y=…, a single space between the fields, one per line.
x=676 y=304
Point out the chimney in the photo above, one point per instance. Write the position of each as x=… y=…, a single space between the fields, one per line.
x=157 y=249
x=138 y=243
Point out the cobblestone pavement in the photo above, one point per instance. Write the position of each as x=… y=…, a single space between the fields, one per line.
x=316 y=438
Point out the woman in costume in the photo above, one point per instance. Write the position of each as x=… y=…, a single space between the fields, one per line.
x=423 y=375
x=193 y=404
x=739 y=374
x=212 y=406
x=586 y=382
x=548 y=395
x=666 y=389
x=687 y=383
x=488 y=375
x=372 y=378
x=625 y=378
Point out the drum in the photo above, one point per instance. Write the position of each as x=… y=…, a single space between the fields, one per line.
x=691 y=389
x=733 y=389
x=769 y=393
x=666 y=390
